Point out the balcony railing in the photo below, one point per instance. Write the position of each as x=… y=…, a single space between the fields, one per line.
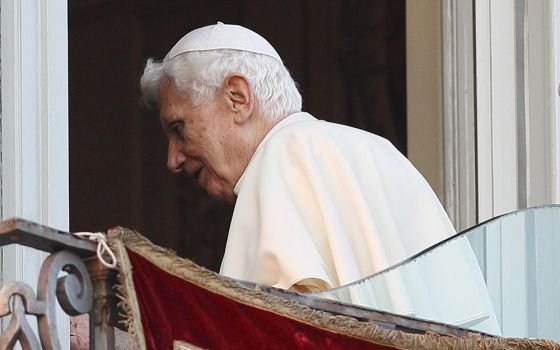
x=71 y=275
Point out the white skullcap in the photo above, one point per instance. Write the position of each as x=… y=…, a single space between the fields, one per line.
x=223 y=36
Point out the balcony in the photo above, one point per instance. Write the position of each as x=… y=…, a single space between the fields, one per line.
x=73 y=277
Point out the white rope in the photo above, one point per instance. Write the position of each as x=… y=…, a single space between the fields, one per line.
x=102 y=247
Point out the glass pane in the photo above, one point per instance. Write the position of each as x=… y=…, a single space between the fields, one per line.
x=512 y=288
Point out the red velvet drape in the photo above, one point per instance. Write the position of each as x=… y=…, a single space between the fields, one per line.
x=174 y=309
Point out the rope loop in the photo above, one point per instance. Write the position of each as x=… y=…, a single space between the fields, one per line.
x=102 y=247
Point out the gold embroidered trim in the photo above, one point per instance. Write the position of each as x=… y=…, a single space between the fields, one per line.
x=183 y=345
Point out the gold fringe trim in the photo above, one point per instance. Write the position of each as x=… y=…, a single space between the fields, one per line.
x=186 y=269
x=126 y=294
x=183 y=345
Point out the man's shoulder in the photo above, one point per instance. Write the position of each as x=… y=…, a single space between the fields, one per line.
x=301 y=134
x=301 y=128
x=308 y=131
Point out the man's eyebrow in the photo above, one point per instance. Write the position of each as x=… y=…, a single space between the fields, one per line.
x=166 y=120
x=169 y=118
x=168 y=125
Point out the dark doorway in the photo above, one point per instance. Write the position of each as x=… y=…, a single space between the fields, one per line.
x=348 y=57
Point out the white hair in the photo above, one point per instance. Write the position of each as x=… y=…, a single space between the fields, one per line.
x=201 y=73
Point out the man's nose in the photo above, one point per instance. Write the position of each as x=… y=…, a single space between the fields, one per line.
x=175 y=159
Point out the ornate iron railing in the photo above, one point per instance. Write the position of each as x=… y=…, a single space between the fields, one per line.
x=86 y=287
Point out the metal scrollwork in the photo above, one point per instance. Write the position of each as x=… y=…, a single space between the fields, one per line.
x=19 y=299
x=74 y=292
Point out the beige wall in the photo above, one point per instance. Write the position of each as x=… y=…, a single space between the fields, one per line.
x=424 y=80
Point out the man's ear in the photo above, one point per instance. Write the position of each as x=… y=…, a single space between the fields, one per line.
x=239 y=97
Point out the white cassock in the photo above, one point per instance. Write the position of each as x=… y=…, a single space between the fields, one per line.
x=322 y=205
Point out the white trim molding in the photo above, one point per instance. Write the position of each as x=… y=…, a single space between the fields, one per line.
x=540 y=119
x=34 y=126
x=517 y=137
x=555 y=126
x=500 y=129
x=516 y=143
x=496 y=108
x=459 y=113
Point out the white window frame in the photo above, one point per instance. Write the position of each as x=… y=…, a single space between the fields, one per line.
x=34 y=49
x=516 y=144
x=511 y=158
x=556 y=126
x=459 y=136
x=496 y=107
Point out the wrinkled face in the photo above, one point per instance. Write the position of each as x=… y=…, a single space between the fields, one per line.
x=201 y=139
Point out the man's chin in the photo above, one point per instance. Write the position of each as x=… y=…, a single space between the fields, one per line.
x=220 y=195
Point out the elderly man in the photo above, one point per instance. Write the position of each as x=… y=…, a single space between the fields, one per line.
x=317 y=205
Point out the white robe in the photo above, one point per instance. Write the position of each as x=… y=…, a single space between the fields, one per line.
x=324 y=205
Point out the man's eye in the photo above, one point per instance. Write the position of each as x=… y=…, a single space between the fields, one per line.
x=177 y=130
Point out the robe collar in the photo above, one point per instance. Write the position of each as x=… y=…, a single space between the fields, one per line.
x=292 y=118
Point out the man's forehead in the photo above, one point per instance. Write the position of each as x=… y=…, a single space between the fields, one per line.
x=170 y=113
x=170 y=101
x=166 y=87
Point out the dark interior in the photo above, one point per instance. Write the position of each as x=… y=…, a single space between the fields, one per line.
x=348 y=58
